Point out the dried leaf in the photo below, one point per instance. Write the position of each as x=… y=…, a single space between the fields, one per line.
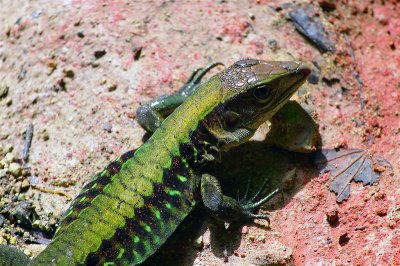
x=348 y=165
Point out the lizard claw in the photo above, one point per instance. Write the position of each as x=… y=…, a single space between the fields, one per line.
x=248 y=205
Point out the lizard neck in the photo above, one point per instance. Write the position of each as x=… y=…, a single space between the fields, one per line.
x=184 y=133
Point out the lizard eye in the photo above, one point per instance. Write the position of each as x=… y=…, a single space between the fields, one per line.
x=262 y=92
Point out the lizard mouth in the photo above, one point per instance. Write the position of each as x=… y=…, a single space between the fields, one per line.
x=295 y=80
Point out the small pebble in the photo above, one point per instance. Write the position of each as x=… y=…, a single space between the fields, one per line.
x=8 y=148
x=69 y=73
x=3 y=173
x=252 y=16
x=273 y=44
x=99 y=53
x=95 y=64
x=8 y=101
x=17 y=188
x=4 y=135
x=9 y=158
x=28 y=252
x=15 y=169
x=22 y=212
x=3 y=241
x=332 y=216
x=36 y=224
x=45 y=135
x=13 y=240
x=344 y=239
x=313 y=78
x=245 y=230
x=34 y=180
x=52 y=65
x=137 y=51
x=2 y=220
x=107 y=127
x=21 y=197
x=113 y=87
x=80 y=34
x=3 y=90
x=25 y=185
x=198 y=243
x=327 y=5
x=26 y=172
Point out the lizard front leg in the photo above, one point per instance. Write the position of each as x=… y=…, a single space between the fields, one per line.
x=152 y=114
x=228 y=209
x=293 y=129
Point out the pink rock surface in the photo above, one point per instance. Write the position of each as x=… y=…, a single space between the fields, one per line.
x=176 y=37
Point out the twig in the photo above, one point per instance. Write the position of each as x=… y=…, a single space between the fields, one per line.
x=57 y=192
x=356 y=74
x=28 y=142
x=360 y=84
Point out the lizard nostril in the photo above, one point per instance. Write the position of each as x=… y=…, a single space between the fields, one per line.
x=305 y=71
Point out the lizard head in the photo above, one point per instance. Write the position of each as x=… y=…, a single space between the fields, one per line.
x=253 y=91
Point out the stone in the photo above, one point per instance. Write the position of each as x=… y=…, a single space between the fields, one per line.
x=9 y=158
x=3 y=90
x=25 y=185
x=15 y=169
x=198 y=243
x=8 y=148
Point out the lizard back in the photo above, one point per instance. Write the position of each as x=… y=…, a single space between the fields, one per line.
x=127 y=211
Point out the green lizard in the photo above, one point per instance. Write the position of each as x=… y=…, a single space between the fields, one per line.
x=127 y=211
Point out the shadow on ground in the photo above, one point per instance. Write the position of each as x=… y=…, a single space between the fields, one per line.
x=252 y=161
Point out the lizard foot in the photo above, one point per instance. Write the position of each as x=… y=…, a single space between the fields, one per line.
x=250 y=203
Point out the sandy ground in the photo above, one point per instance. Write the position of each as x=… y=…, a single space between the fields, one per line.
x=77 y=70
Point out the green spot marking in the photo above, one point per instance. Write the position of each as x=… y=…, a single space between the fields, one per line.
x=104 y=173
x=157 y=214
x=94 y=186
x=137 y=256
x=136 y=239
x=82 y=199
x=148 y=228
x=185 y=163
x=156 y=240
x=109 y=263
x=68 y=214
x=121 y=253
x=174 y=193
x=106 y=187
x=168 y=205
x=169 y=164
x=182 y=178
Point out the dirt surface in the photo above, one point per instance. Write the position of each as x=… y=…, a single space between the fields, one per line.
x=77 y=71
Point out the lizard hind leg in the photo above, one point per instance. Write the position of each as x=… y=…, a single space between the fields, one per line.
x=151 y=114
x=201 y=73
x=194 y=80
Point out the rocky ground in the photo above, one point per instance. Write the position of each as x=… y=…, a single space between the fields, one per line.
x=77 y=71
